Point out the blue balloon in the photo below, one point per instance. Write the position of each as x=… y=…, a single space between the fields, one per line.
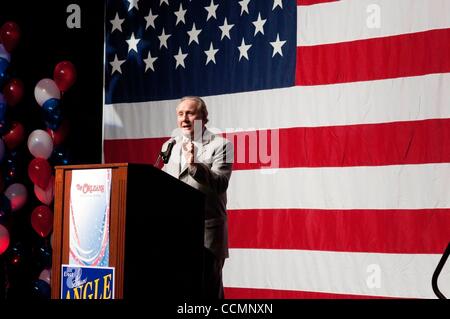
x=3 y=74
x=3 y=65
x=3 y=126
x=53 y=121
x=52 y=113
x=16 y=255
x=53 y=125
x=3 y=78
x=60 y=156
x=44 y=256
x=40 y=289
x=52 y=105
x=3 y=107
x=5 y=207
x=5 y=203
x=12 y=163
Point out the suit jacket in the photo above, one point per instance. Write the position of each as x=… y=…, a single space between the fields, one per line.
x=214 y=156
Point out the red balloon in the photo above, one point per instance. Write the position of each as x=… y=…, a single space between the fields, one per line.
x=46 y=195
x=60 y=134
x=64 y=75
x=42 y=220
x=13 y=91
x=39 y=171
x=4 y=239
x=10 y=35
x=15 y=136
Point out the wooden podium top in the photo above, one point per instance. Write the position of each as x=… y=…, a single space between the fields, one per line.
x=87 y=166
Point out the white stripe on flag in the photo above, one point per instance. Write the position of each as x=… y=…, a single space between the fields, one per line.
x=391 y=100
x=370 y=274
x=349 y=20
x=360 y=187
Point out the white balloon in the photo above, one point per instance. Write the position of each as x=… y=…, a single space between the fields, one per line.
x=17 y=194
x=40 y=144
x=45 y=90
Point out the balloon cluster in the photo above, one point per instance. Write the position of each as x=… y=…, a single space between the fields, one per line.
x=48 y=93
x=40 y=145
x=13 y=247
x=13 y=89
x=11 y=93
x=43 y=145
x=9 y=37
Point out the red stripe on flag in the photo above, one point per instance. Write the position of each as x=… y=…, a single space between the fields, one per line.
x=253 y=293
x=143 y=151
x=311 y=2
x=373 y=59
x=412 y=142
x=424 y=231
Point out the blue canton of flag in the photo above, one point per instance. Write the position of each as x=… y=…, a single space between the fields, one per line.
x=162 y=50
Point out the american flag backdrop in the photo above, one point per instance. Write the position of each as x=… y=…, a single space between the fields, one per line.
x=340 y=116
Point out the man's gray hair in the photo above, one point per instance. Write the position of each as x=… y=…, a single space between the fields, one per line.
x=201 y=106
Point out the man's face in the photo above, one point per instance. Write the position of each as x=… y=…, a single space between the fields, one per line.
x=187 y=113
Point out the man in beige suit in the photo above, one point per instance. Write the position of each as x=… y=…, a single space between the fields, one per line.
x=204 y=160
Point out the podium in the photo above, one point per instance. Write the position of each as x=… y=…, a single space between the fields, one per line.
x=156 y=232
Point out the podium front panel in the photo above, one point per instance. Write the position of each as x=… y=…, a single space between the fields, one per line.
x=153 y=216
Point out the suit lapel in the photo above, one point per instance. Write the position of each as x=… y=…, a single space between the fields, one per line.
x=207 y=137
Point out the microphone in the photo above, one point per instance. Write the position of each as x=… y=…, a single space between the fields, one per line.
x=165 y=155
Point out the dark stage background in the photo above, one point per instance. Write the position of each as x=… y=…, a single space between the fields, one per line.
x=45 y=41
